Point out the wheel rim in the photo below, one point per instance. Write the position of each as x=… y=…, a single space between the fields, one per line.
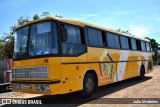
x=89 y=85
x=7 y=88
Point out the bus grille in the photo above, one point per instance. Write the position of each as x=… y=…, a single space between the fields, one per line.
x=38 y=72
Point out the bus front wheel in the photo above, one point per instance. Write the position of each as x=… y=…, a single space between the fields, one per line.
x=89 y=85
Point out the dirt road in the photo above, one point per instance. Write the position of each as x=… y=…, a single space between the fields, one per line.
x=132 y=88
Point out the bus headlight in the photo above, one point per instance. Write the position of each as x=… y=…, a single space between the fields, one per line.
x=47 y=89
x=17 y=86
x=42 y=88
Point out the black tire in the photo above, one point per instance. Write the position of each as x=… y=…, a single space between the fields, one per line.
x=142 y=73
x=89 y=85
x=7 y=88
x=2 y=90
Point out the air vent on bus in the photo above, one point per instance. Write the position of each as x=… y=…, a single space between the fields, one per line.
x=38 y=72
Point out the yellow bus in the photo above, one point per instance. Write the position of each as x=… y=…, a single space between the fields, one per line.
x=57 y=56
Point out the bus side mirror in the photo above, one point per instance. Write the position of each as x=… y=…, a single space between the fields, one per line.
x=63 y=34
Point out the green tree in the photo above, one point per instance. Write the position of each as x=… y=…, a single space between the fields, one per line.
x=36 y=17
x=45 y=14
x=23 y=20
x=1 y=50
x=7 y=49
x=155 y=46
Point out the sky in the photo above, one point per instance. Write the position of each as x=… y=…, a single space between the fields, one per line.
x=140 y=17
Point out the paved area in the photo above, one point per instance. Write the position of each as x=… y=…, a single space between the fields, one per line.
x=125 y=90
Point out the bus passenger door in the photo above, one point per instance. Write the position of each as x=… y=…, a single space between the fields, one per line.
x=73 y=57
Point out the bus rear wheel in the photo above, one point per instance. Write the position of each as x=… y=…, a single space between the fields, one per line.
x=2 y=90
x=89 y=85
x=142 y=73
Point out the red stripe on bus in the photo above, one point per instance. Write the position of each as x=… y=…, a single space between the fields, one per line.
x=100 y=69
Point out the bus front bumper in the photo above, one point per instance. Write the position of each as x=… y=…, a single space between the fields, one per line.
x=37 y=87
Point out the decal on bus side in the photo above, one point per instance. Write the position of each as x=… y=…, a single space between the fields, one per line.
x=104 y=68
x=121 y=67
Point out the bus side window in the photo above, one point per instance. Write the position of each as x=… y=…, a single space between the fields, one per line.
x=138 y=45
x=75 y=44
x=143 y=45
x=110 y=40
x=133 y=44
x=100 y=40
x=147 y=46
x=104 y=39
x=124 y=42
x=129 y=43
x=92 y=37
x=95 y=37
x=82 y=36
x=116 y=42
x=73 y=34
x=63 y=31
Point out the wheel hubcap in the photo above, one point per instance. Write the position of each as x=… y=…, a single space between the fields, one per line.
x=89 y=85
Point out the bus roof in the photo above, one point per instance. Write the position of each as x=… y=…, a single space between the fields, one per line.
x=79 y=23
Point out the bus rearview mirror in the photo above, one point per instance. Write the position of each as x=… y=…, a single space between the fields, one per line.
x=64 y=34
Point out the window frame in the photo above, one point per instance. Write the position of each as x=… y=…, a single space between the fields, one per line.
x=149 y=46
x=118 y=41
x=77 y=27
x=145 y=46
x=60 y=42
x=97 y=30
x=108 y=42
x=132 y=44
x=29 y=34
x=125 y=43
x=87 y=44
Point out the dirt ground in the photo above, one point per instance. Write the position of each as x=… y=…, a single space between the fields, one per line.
x=132 y=88
x=149 y=88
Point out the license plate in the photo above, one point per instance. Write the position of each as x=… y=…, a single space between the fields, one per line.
x=27 y=87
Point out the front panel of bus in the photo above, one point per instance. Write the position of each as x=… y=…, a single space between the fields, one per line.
x=36 y=65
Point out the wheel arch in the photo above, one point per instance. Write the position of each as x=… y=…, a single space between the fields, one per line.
x=142 y=66
x=92 y=71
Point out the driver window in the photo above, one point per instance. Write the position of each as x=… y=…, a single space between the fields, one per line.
x=75 y=41
x=73 y=34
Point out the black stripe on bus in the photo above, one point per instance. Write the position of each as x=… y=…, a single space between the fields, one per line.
x=36 y=82
x=101 y=62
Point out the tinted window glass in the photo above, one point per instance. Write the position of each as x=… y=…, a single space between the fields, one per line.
x=110 y=40
x=42 y=40
x=133 y=43
x=150 y=45
x=143 y=46
x=20 y=46
x=123 y=43
x=104 y=38
x=116 y=41
x=147 y=46
x=92 y=34
x=138 y=43
x=73 y=35
x=72 y=49
x=79 y=36
x=100 y=41
x=95 y=37
x=127 y=43
x=76 y=40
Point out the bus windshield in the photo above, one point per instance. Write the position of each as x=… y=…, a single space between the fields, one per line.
x=41 y=40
